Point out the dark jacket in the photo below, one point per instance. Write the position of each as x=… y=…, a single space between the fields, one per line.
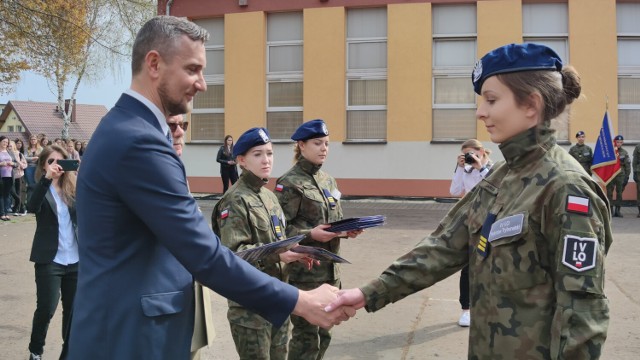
x=45 y=240
x=223 y=158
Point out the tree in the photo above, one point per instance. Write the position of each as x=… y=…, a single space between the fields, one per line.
x=71 y=41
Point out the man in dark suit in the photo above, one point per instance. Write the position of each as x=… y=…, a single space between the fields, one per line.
x=141 y=237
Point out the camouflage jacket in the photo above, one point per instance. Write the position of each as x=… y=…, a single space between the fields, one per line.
x=625 y=165
x=310 y=197
x=584 y=155
x=243 y=219
x=536 y=273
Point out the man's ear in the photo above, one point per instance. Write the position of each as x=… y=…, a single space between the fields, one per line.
x=152 y=63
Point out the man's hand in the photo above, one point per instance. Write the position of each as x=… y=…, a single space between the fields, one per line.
x=311 y=306
x=348 y=297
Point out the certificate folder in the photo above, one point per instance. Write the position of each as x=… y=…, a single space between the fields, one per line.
x=260 y=252
x=356 y=223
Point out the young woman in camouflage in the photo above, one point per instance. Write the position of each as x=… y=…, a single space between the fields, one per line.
x=310 y=197
x=248 y=215
x=534 y=232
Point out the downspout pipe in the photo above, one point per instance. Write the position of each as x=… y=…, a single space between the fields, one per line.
x=168 y=11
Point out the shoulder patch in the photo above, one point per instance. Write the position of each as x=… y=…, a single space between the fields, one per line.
x=579 y=254
x=224 y=214
x=578 y=204
x=279 y=187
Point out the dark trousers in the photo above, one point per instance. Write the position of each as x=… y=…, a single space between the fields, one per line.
x=5 y=191
x=464 y=288
x=18 y=205
x=228 y=174
x=52 y=281
x=30 y=180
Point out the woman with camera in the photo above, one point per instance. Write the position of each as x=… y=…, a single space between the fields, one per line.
x=473 y=165
x=55 y=245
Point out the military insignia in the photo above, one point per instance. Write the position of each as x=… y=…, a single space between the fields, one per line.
x=579 y=254
x=477 y=71
x=506 y=227
x=330 y=198
x=483 y=246
x=275 y=221
x=224 y=214
x=578 y=204
x=279 y=187
x=324 y=129
x=264 y=136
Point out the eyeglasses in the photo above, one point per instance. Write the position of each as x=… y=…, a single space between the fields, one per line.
x=173 y=126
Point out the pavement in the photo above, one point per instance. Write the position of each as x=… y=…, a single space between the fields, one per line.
x=421 y=326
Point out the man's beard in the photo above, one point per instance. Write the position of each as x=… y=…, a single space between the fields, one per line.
x=169 y=105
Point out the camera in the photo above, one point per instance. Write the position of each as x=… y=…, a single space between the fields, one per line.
x=468 y=159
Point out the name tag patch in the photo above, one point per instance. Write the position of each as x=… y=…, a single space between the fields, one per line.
x=579 y=254
x=506 y=227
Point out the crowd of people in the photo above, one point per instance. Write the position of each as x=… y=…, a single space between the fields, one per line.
x=533 y=249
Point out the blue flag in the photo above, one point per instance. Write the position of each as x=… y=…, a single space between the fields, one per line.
x=606 y=164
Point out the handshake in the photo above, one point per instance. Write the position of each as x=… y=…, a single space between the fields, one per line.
x=326 y=305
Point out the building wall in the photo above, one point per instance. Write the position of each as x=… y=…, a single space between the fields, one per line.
x=12 y=120
x=409 y=163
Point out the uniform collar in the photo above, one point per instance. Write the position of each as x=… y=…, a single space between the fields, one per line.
x=527 y=146
x=253 y=182
x=308 y=167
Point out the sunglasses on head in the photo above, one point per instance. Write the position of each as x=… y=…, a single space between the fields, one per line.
x=173 y=126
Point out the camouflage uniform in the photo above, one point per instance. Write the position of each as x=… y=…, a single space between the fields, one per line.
x=584 y=155
x=244 y=218
x=636 y=174
x=309 y=197
x=531 y=296
x=620 y=181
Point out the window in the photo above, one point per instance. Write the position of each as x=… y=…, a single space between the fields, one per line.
x=367 y=74
x=284 y=74
x=454 y=55
x=628 y=29
x=207 y=116
x=19 y=128
x=10 y=128
x=547 y=24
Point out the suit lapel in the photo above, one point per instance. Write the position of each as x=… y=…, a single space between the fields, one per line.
x=51 y=201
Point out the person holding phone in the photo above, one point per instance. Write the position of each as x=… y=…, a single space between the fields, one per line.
x=55 y=245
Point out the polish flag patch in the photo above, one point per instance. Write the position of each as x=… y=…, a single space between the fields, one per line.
x=279 y=187
x=578 y=204
x=224 y=214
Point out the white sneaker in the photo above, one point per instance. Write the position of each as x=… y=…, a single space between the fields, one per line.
x=35 y=357
x=465 y=319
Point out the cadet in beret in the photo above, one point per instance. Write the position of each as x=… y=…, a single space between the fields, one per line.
x=310 y=197
x=538 y=226
x=620 y=181
x=248 y=215
x=582 y=152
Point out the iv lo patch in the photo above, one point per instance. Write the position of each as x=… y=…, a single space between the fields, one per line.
x=579 y=254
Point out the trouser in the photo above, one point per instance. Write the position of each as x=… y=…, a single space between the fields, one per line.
x=638 y=192
x=52 y=281
x=16 y=195
x=464 y=288
x=265 y=343
x=30 y=180
x=228 y=174
x=5 y=191
x=308 y=342
x=617 y=185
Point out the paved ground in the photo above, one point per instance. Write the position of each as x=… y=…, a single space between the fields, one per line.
x=422 y=326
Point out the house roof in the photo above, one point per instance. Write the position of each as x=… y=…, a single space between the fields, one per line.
x=42 y=117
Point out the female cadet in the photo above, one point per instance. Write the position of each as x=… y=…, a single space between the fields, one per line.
x=538 y=226
x=248 y=215
x=310 y=197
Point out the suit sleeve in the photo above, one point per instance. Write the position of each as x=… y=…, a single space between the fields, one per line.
x=37 y=197
x=152 y=184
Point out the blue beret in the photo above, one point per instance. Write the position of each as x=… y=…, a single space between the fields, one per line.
x=514 y=58
x=619 y=137
x=579 y=133
x=250 y=138
x=310 y=130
